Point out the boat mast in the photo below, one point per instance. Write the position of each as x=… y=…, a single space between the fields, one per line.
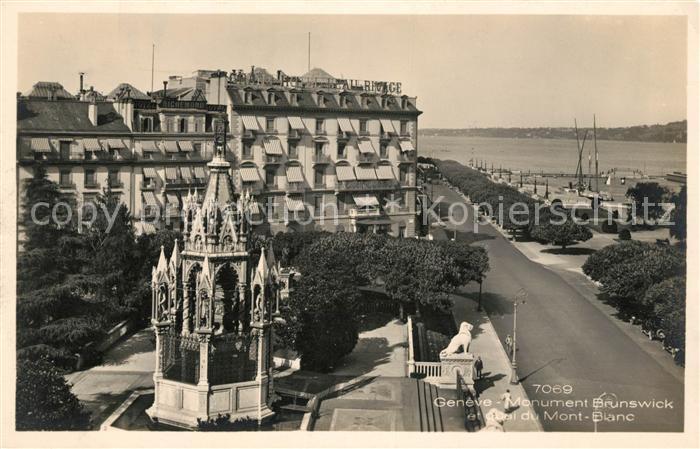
x=595 y=144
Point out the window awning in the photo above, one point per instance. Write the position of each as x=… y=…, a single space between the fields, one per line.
x=41 y=145
x=148 y=145
x=296 y=123
x=149 y=172
x=294 y=204
x=116 y=144
x=387 y=125
x=406 y=145
x=365 y=146
x=172 y=199
x=150 y=199
x=249 y=174
x=273 y=146
x=144 y=228
x=199 y=173
x=365 y=200
x=345 y=173
x=186 y=145
x=171 y=174
x=345 y=125
x=250 y=123
x=171 y=146
x=385 y=172
x=294 y=174
x=365 y=173
x=91 y=145
x=186 y=173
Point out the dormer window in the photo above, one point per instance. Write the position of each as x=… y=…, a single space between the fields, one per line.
x=321 y=100
x=404 y=103
x=271 y=98
x=366 y=102
x=384 y=102
x=294 y=98
x=248 y=97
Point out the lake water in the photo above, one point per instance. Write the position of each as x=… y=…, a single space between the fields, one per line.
x=557 y=155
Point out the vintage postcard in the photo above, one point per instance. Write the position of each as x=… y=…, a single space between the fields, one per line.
x=349 y=224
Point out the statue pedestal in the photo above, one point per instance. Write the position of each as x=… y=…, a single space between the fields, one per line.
x=453 y=364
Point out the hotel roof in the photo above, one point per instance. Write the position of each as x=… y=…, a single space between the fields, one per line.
x=46 y=89
x=68 y=115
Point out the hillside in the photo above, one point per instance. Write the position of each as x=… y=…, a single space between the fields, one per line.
x=670 y=132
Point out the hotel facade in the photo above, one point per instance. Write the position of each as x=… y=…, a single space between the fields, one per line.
x=315 y=152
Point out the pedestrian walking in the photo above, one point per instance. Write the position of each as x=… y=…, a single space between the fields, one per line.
x=508 y=403
x=479 y=366
x=509 y=344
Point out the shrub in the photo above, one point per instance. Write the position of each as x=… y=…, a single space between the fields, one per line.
x=624 y=234
x=44 y=400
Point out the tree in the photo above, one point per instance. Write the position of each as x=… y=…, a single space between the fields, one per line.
x=417 y=272
x=666 y=301
x=680 y=215
x=551 y=230
x=599 y=263
x=471 y=263
x=628 y=281
x=44 y=400
x=650 y=194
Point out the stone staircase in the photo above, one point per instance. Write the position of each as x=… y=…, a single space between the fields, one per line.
x=429 y=413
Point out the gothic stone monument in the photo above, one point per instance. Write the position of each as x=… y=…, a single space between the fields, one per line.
x=212 y=313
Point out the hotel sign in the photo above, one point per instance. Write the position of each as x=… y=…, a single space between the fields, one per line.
x=379 y=87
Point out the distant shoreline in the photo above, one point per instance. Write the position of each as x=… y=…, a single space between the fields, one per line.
x=673 y=132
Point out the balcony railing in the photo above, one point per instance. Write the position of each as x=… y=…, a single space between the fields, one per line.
x=147 y=185
x=91 y=185
x=115 y=184
x=366 y=157
x=272 y=159
x=295 y=187
x=364 y=132
x=385 y=136
x=248 y=134
x=406 y=156
x=321 y=159
x=363 y=212
x=294 y=134
x=367 y=185
x=67 y=186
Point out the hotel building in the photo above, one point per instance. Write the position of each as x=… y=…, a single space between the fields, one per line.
x=314 y=151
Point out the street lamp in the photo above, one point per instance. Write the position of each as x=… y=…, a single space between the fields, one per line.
x=519 y=298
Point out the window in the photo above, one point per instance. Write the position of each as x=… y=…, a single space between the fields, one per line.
x=113 y=178
x=292 y=147
x=404 y=128
x=270 y=124
x=182 y=125
x=383 y=150
x=403 y=174
x=321 y=100
x=248 y=97
x=270 y=178
x=271 y=98
x=64 y=178
x=383 y=102
x=146 y=124
x=90 y=179
x=404 y=103
x=197 y=152
x=320 y=126
x=318 y=176
x=366 y=101
x=294 y=98
x=318 y=205
x=247 y=150
x=402 y=231
x=342 y=153
x=89 y=207
x=196 y=126
x=363 y=126
x=318 y=149
x=272 y=207
x=64 y=148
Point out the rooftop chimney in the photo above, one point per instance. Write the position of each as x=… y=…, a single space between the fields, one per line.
x=165 y=89
x=82 y=74
x=92 y=109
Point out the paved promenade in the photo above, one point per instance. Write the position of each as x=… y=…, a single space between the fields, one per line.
x=566 y=338
x=126 y=367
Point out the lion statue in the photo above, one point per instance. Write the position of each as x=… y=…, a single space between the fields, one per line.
x=462 y=340
x=494 y=420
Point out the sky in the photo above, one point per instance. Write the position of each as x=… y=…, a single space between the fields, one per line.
x=466 y=70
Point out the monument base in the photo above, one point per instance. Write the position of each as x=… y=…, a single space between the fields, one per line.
x=454 y=364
